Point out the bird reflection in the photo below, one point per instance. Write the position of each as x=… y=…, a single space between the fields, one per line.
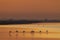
x=17 y=32
x=32 y=33
x=47 y=31
x=10 y=33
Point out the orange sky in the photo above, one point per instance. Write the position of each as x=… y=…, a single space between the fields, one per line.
x=29 y=9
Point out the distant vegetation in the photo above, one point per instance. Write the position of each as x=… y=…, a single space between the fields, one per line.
x=25 y=21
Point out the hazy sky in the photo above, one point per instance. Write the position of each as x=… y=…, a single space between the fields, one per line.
x=29 y=9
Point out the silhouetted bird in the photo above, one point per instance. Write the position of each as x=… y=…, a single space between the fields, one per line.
x=40 y=31
x=10 y=31
x=32 y=31
x=23 y=31
x=47 y=31
x=16 y=31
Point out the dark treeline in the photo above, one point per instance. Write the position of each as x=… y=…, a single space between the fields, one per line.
x=25 y=21
x=18 y=21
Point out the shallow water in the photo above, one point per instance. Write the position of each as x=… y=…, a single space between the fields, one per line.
x=25 y=36
x=53 y=31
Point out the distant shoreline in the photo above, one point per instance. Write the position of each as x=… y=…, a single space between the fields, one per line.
x=7 y=22
x=25 y=23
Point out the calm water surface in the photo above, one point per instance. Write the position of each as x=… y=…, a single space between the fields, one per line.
x=53 y=31
x=25 y=36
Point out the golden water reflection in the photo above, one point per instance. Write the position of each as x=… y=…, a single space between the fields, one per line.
x=18 y=34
